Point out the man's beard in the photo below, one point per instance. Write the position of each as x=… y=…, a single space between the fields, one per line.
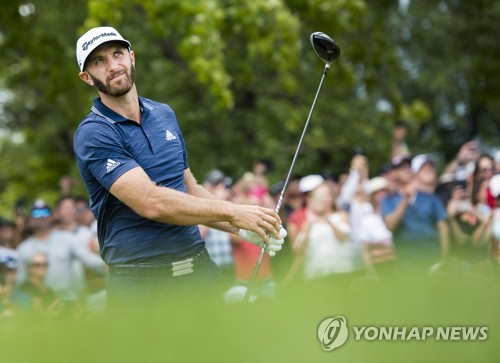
x=115 y=91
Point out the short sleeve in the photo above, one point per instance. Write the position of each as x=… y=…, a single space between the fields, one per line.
x=101 y=153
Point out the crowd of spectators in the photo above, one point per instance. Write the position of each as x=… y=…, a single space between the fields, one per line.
x=407 y=218
x=49 y=261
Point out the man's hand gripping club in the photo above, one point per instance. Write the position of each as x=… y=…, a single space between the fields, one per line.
x=274 y=245
x=259 y=225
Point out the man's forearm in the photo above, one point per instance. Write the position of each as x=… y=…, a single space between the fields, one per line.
x=223 y=226
x=179 y=208
x=162 y=204
x=200 y=191
x=167 y=205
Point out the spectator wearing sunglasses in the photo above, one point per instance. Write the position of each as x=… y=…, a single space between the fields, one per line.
x=41 y=296
x=62 y=254
x=39 y=225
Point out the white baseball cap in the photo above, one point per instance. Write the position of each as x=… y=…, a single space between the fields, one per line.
x=418 y=161
x=377 y=183
x=94 y=38
x=310 y=182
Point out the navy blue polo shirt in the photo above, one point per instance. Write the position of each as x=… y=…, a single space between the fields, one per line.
x=106 y=146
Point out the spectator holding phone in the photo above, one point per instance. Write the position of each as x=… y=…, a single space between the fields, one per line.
x=417 y=218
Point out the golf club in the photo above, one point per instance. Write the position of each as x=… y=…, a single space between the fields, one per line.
x=326 y=48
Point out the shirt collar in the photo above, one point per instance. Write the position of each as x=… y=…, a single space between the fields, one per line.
x=102 y=110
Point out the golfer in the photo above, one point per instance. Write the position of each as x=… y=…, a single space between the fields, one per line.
x=133 y=160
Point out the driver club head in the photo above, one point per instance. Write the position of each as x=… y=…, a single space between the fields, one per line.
x=325 y=47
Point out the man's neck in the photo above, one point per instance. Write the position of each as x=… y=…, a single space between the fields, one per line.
x=126 y=105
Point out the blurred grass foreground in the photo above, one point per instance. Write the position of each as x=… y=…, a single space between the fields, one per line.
x=201 y=328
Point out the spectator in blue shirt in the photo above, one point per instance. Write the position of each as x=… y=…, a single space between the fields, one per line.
x=416 y=216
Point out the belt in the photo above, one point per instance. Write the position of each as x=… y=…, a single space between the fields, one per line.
x=171 y=269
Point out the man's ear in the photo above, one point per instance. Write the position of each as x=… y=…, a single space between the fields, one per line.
x=84 y=76
x=132 y=57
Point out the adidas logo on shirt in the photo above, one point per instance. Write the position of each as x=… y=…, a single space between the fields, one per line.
x=111 y=165
x=170 y=136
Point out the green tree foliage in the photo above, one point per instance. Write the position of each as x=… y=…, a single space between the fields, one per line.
x=451 y=53
x=37 y=72
x=241 y=76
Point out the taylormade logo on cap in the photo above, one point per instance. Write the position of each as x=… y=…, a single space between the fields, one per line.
x=86 y=44
x=94 y=38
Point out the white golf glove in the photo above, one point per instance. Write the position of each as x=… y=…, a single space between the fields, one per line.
x=272 y=247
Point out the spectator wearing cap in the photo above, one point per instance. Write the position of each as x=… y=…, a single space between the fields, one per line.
x=40 y=225
x=323 y=243
x=423 y=166
x=417 y=218
x=298 y=217
x=11 y=300
x=60 y=250
x=217 y=242
x=376 y=239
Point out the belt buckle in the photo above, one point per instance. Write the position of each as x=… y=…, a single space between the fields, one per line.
x=183 y=267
